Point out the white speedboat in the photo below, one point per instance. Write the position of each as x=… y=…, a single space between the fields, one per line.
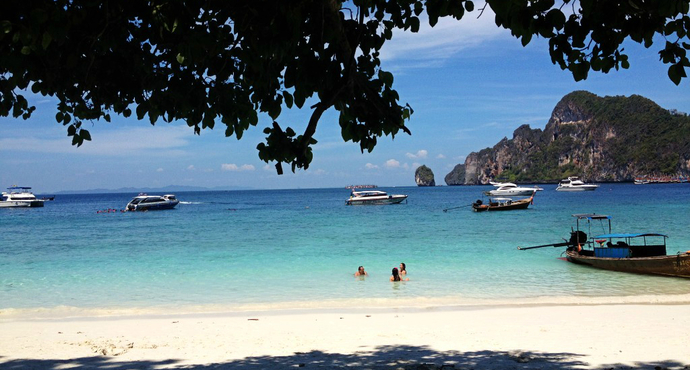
x=144 y=202
x=20 y=196
x=510 y=189
x=374 y=197
x=573 y=183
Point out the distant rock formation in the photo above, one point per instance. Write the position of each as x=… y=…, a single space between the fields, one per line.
x=456 y=176
x=600 y=139
x=423 y=176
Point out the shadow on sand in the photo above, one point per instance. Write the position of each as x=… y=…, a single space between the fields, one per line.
x=384 y=357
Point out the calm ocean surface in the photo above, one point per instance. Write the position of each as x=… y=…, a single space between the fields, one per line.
x=299 y=248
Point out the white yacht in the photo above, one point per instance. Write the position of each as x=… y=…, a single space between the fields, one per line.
x=144 y=202
x=573 y=183
x=510 y=189
x=19 y=196
x=374 y=197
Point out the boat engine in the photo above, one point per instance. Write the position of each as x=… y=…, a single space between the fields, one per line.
x=577 y=238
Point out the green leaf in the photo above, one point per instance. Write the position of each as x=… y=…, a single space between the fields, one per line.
x=180 y=58
x=288 y=99
x=6 y=27
x=676 y=72
x=386 y=77
x=26 y=50
x=47 y=39
x=85 y=135
x=414 y=24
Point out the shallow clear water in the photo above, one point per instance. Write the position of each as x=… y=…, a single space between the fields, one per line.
x=290 y=248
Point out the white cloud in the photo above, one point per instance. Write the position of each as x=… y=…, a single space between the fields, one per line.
x=420 y=154
x=441 y=156
x=267 y=167
x=433 y=46
x=159 y=170
x=234 y=167
x=392 y=163
x=191 y=167
x=370 y=166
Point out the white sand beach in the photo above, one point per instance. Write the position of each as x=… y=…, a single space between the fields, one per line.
x=618 y=336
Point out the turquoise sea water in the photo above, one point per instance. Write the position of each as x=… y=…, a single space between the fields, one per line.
x=299 y=248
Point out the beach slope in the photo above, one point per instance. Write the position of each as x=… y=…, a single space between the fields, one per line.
x=503 y=337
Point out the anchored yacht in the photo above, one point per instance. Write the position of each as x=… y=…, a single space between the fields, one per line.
x=19 y=196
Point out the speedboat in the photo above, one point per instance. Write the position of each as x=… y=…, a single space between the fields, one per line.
x=374 y=197
x=19 y=196
x=510 y=189
x=573 y=183
x=144 y=202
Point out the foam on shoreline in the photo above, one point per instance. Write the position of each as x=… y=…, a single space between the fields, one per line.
x=420 y=304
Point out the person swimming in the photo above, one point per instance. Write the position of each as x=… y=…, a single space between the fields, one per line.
x=403 y=269
x=396 y=275
x=361 y=272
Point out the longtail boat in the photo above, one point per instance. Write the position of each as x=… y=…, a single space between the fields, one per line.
x=502 y=204
x=640 y=253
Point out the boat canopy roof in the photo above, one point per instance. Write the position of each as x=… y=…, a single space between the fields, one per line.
x=19 y=188
x=591 y=216
x=634 y=235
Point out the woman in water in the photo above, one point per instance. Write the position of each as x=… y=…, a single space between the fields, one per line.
x=396 y=276
x=361 y=272
x=403 y=269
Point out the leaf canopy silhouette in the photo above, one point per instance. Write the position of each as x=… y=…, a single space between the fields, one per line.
x=210 y=62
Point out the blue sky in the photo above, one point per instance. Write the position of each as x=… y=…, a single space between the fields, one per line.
x=469 y=82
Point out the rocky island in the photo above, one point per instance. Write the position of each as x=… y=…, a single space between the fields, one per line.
x=599 y=138
x=423 y=176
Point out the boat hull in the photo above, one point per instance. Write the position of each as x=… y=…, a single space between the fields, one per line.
x=21 y=203
x=516 y=193
x=671 y=265
x=577 y=188
x=391 y=199
x=154 y=207
x=518 y=204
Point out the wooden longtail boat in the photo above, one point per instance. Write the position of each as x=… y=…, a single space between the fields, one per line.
x=640 y=253
x=502 y=204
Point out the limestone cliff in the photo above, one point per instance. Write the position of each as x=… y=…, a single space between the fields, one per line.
x=423 y=176
x=600 y=139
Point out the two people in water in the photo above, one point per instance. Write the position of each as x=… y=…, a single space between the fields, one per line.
x=396 y=274
x=399 y=275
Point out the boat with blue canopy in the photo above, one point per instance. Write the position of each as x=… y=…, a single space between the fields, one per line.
x=640 y=253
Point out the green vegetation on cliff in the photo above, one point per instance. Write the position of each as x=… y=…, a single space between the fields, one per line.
x=602 y=139
x=424 y=176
